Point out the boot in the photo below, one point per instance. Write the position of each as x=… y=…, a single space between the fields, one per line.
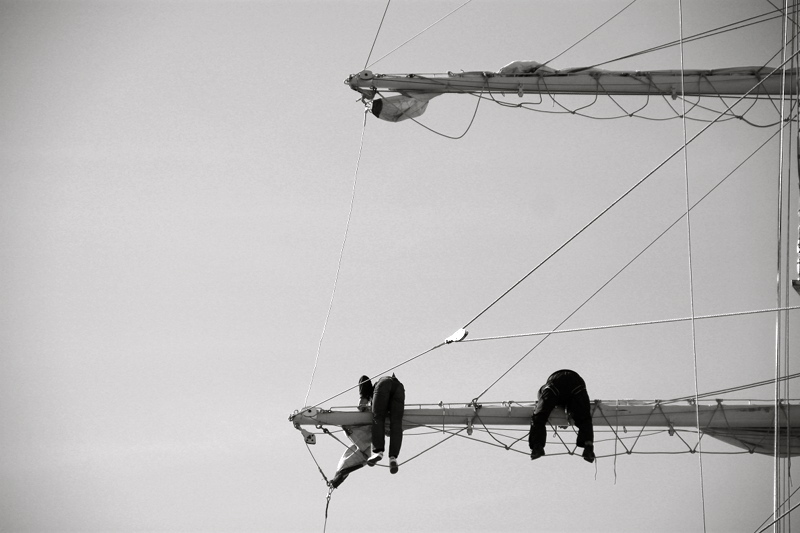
x=374 y=458
x=588 y=453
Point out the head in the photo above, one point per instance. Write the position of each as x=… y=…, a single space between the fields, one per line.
x=365 y=387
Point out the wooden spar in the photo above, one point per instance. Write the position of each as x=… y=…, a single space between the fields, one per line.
x=631 y=413
x=720 y=82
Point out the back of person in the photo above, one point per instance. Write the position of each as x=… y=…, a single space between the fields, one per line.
x=388 y=399
x=566 y=389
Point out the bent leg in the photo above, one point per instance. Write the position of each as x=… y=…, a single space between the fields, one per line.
x=579 y=408
x=396 y=408
x=541 y=413
x=380 y=405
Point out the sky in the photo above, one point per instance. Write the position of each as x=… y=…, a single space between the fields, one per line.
x=176 y=180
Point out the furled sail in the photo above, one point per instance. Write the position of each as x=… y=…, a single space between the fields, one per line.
x=401 y=106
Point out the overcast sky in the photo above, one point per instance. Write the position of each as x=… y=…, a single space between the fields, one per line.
x=175 y=183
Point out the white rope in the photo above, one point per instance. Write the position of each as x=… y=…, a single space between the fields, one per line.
x=630 y=324
x=590 y=33
x=787 y=352
x=386 y=371
x=778 y=518
x=341 y=254
x=777 y=484
x=375 y=40
x=734 y=26
x=691 y=274
x=417 y=35
x=469 y=126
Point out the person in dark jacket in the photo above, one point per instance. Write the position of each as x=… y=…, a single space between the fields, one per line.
x=388 y=397
x=565 y=389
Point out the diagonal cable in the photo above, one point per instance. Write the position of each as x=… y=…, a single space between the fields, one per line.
x=590 y=33
x=375 y=40
x=339 y=263
x=417 y=35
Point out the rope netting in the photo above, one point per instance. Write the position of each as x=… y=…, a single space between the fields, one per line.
x=701 y=108
x=633 y=439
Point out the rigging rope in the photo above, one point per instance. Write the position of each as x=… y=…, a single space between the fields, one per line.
x=777 y=487
x=375 y=40
x=785 y=11
x=327 y=482
x=732 y=389
x=417 y=35
x=630 y=324
x=792 y=111
x=327 y=504
x=341 y=254
x=689 y=249
x=765 y=527
x=628 y=450
x=590 y=33
x=324 y=477
x=635 y=114
x=469 y=126
x=702 y=35
x=380 y=374
x=778 y=518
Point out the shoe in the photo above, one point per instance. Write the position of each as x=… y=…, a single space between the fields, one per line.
x=374 y=458
x=588 y=454
x=393 y=465
x=536 y=453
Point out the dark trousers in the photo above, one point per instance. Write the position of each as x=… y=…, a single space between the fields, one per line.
x=389 y=398
x=566 y=389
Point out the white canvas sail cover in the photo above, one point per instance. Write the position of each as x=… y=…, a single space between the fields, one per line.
x=758 y=440
x=401 y=106
x=356 y=455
